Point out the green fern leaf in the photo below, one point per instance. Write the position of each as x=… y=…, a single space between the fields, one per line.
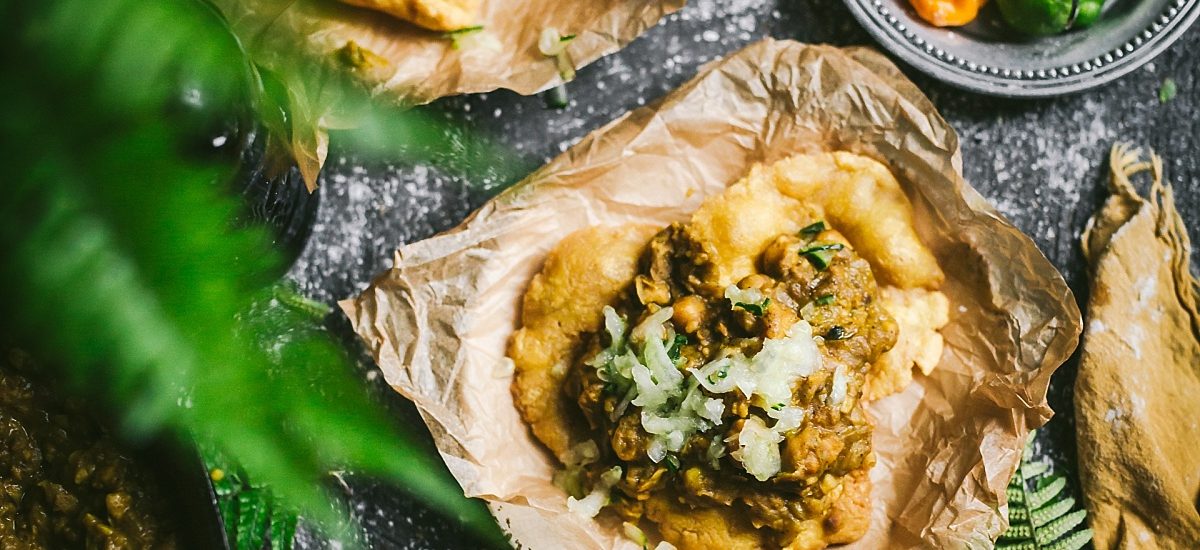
x=1018 y=532
x=1025 y=545
x=1046 y=492
x=1056 y=529
x=119 y=260
x=1034 y=469
x=1041 y=518
x=1051 y=512
x=1074 y=541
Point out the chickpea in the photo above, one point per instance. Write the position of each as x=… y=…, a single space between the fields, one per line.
x=690 y=313
x=780 y=256
x=756 y=280
x=650 y=291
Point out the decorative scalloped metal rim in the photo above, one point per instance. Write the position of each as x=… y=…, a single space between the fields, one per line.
x=1029 y=82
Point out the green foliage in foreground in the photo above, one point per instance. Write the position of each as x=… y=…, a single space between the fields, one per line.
x=119 y=259
x=1041 y=515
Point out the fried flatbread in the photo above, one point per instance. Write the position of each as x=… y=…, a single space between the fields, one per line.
x=724 y=243
x=584 y=273
x=436 y=15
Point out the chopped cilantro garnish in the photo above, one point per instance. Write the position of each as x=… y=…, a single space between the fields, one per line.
x=457 y=35
x=756 y=310
x=825 y=246
x=464 y=30
x=778 y=406
x=837 y=333
x=567 y=38
x=820 y=255
x=680 y=341
x=813 y=229
x=672 y=463
x=720 y=375
x=556 y=97
x=825 y=299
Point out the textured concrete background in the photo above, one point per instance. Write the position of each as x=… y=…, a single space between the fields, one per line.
x=1041 y=163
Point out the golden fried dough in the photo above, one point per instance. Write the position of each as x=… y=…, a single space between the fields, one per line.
x=437 y=15
x=701 y=528
x=780 y=219
x=864 y=201
x=846 y=523
x=851 y=515
x=734 y=227
x=920 y=314
x=584 y=273
x=856 y=194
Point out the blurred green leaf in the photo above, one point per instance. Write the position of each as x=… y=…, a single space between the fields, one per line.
x=121 y=259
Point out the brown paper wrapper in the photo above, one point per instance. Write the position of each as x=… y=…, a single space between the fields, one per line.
x=405 y=63
x=1139 y=374
x=438 y=322
x=423 y=65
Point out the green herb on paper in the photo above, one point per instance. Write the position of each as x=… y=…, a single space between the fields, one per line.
x=458 y=37
x=552 y=44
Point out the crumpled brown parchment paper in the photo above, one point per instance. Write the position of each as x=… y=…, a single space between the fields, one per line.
x=410 y=65
x=1136 y=398
x=423 y=65
x=439 y=321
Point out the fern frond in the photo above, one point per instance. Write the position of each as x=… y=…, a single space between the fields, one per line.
x=1041 y=518
x=1018 y=532
x=1023 y=545
x=1046 y=492
x=1051 y=512
x=1034 y=469
x=120 y=261
x=1074 y=541
x=1056 y=529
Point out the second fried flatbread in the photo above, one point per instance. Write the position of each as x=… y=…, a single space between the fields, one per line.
x=437 y=15
x=585 y=272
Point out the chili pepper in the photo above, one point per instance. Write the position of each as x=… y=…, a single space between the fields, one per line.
x=947 y=13
x=1043 y=17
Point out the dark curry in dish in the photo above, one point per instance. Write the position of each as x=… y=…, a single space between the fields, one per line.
x=64 y=483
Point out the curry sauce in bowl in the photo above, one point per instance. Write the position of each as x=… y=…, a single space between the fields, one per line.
x=66 y=482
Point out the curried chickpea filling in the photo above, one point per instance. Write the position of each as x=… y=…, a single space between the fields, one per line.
x=811 y=288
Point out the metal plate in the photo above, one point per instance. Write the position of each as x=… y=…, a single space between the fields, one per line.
x=987 y=57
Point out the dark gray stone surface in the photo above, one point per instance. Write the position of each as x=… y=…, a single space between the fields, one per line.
x=1041 y=163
